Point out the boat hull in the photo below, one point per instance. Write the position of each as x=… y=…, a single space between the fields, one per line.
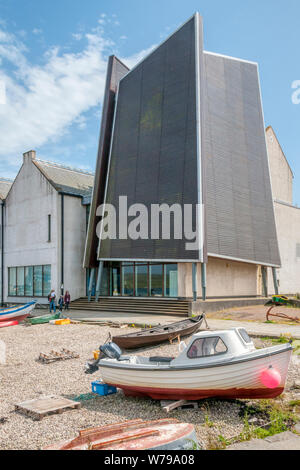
x=143 y=338
x=16 y=313
x=231 y=380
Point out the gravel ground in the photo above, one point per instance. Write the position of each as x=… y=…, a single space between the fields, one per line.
x=24 y=378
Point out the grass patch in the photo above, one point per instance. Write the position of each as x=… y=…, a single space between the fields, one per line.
x=282 y=339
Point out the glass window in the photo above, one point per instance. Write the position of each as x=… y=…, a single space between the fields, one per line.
x=46 y=279
x=20 y=281
x=12 y=282
x=244 y=335
x=141 y=280
x=104 y=288
x=156 y=280
x=171 y=284
x=128 y=279
x=204 y=347
x=29 y=281
x=38 y=281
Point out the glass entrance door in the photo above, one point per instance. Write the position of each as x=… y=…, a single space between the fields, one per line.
x=115 y=281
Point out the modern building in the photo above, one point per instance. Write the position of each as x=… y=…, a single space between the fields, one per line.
x=184 y=127
x=44 y=229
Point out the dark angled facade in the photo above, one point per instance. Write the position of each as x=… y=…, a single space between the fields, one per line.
x=185 y=127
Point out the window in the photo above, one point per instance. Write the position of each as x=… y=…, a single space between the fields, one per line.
x=156 y=280
x=38 y=280
x=49 y=228
x=20 y=281
x=128 y=279
x=12 y=281
x=298 y=250
x=46 y=280
x=205 y=347
x=244 y=335
x=170 y=282
x=29 y=281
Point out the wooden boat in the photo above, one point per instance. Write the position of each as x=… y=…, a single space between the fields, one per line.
x=161 y=434
x=222 y=364
x=158 y=334
x=17 y=312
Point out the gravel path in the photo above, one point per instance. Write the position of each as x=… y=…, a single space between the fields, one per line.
x=23 y=378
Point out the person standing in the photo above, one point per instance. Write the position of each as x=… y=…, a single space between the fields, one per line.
x=67 y=300
x=52 y=298
x=61 y=303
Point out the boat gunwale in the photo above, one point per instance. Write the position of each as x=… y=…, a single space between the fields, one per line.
x=164 y=368
x=16 y=309
x=157 y=329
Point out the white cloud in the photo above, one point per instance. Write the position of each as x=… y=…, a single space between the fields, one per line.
x=37 y=31
x=43 y=101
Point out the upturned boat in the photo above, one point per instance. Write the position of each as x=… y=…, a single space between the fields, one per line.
x=17 y=312
x=222 y=364
x=158 y=334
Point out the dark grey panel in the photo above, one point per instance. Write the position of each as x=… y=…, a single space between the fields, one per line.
x=154 y=145
x=239 y=205
x=115 y=71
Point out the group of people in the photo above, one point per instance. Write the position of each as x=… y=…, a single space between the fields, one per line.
x=63 y=301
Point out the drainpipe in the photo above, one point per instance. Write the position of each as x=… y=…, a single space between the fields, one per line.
x=264 y=279
x=203 y=280
x=194 y=282
x=62 y=244
x=275 y=281
x=2 y=252
x=98 y=284
x=92 y=275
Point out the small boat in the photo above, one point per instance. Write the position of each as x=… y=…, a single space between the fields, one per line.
x=17 y=312
x=158 y=334
x=44 y=318
x=222 y=364
x=161 y=434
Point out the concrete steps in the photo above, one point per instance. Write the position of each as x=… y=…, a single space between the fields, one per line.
x=133 y=305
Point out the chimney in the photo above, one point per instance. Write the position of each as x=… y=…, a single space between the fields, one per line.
x=29 y=155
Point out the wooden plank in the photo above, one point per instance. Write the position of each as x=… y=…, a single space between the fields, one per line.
x=127 y=438
x=169 y=405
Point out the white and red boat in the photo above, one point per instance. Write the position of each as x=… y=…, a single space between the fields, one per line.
x=17 y=312
x=222 y=364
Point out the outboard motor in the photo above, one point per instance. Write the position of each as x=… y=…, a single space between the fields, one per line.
x=110 y=350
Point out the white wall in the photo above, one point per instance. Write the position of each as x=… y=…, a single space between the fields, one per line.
x=223 y=279
x=288 y=230
x=281 y=174
x=27 y=206
x=74 y=241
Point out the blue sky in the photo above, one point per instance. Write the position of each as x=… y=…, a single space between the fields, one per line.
x=53 y=57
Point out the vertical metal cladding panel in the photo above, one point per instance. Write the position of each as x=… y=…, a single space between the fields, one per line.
x=154 y=146
x=115 y=71
x=239 y=205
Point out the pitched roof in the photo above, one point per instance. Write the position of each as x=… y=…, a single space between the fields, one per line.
x=65 y=179
x=5 y=185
